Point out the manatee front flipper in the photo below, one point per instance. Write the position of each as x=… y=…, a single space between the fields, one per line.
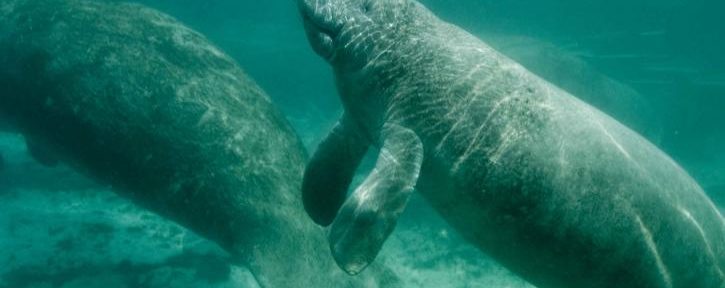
x=368 y=217
x=40 y=153
x=331 y=169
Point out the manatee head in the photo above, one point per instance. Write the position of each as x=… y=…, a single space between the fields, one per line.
x=345 y=31
x=365 y=41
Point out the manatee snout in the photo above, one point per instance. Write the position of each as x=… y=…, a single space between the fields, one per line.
x=324 y=21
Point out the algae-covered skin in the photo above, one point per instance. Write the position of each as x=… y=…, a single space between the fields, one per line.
x=555 y=190
x=136 y=100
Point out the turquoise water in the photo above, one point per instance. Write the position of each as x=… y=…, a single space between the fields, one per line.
x=59 y=229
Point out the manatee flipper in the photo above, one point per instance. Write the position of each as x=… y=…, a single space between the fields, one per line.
x=41 y=154
x=331 y=169
x=369 y=216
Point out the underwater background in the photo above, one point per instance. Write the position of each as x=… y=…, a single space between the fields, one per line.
x=663 y=58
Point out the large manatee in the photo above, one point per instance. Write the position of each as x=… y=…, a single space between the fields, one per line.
x=135 y=99
x=556 y=190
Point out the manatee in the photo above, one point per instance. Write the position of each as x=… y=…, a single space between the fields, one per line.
x=138 y=101
x=555 y=190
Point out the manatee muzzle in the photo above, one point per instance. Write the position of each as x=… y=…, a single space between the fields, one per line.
x=323 y=25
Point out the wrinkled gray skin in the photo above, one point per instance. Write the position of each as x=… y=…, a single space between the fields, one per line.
x=576 y=76
x=555 y=190
x=137 y=100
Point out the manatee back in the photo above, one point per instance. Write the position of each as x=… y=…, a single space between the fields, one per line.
x=136 y=99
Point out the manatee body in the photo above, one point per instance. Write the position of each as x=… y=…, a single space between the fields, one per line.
x=554 y=189
x=576 y=76
x=136 y=100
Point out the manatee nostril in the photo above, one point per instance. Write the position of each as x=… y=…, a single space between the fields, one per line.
x=367 y=6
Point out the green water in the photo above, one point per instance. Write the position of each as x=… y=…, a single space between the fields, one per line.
x=59 y=229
